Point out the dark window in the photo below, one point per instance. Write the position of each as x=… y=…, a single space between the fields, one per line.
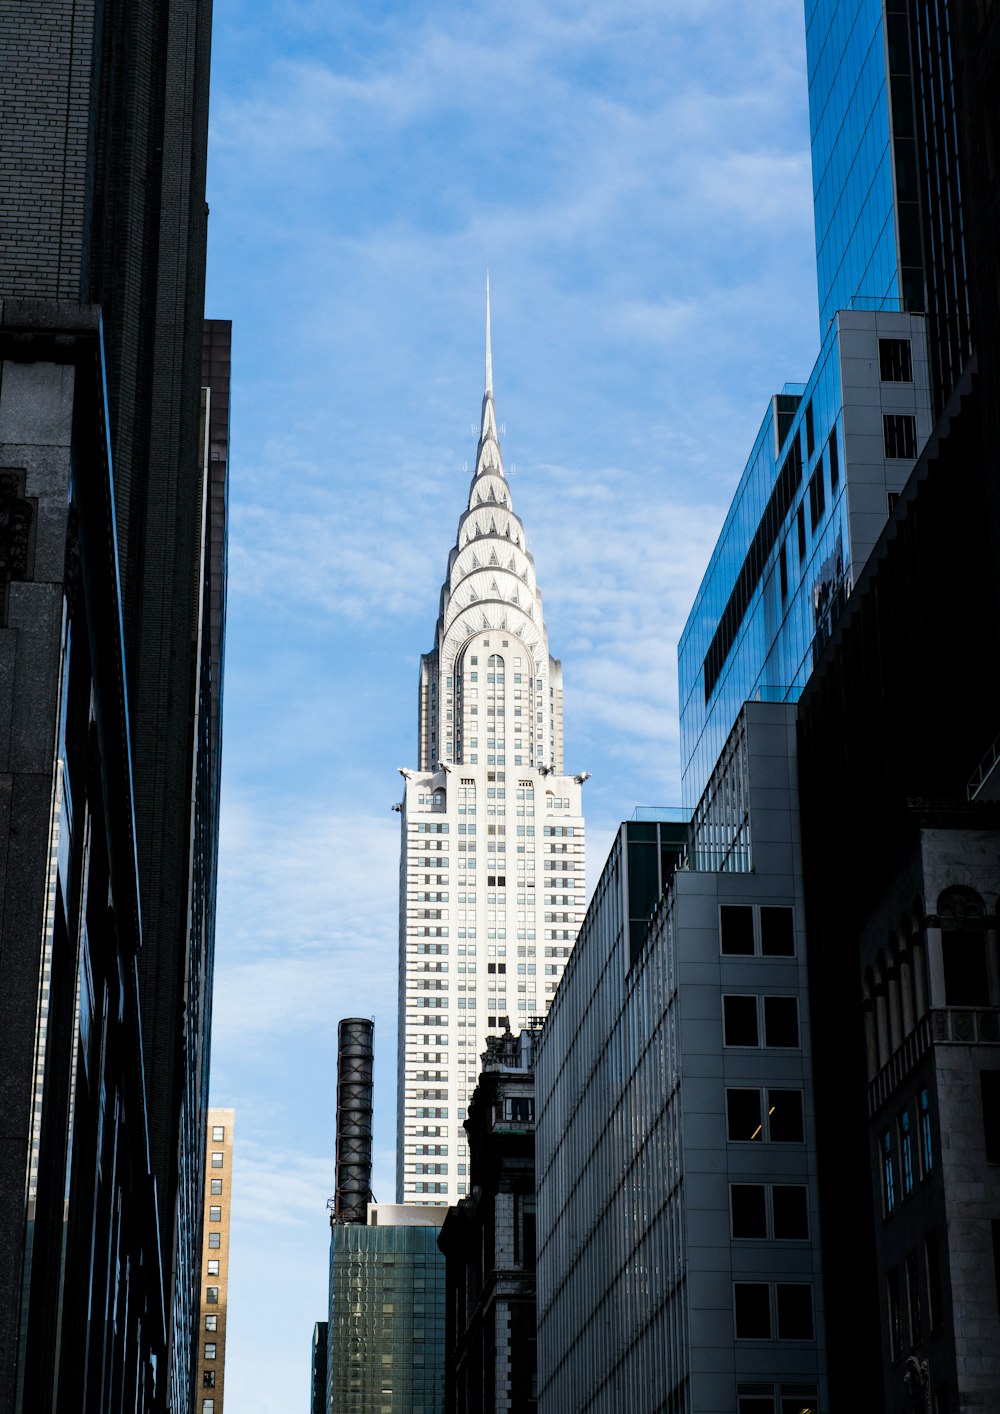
x=740 y=1021
x=777 y=932
x=783 y=573
x=899 y=433
x=795 y=1311
x=933 y=1270
x=894 y=362
x=800 y=521
x=817 y=496
x=519 y=1108
x=791 y=1212
x=888 y=1174
x=737 y=930
x=913 y=1296
x=781 y=1021
x=752 y=1399
x=906 y=1152
x=208 y=1379
x=966 y=980
x=743 y=1115
x=891 y=497
x=752 y=1301
x=798 y=1399
x=926 y=1141
x=895 y=1315
x=784 y=1116
x=748 y=1209
x=212 y=1296
x=834 y=455
x=810 y=431
x=989 y=1084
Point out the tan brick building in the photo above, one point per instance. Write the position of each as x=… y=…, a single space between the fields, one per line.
x=210 y=1381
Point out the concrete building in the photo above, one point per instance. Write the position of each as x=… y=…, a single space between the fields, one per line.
x=679 y=1263
x=386 y=1352
x=112 y=605
x=492 y=868
x=210 y=1382
x=488 y=1241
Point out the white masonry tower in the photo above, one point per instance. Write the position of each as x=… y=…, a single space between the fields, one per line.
x=492 y=867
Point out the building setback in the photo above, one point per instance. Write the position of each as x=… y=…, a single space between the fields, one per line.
x=113 y=470
x=492 y=866
x=488 y=1241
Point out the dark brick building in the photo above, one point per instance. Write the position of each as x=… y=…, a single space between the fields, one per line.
x=113 y=466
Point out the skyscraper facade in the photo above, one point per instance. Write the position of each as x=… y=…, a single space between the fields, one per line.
x=114 y=437
x=210 y=1359
x=386 y=1328
x=829 y=459
x=492 y=866
x=679 y=1261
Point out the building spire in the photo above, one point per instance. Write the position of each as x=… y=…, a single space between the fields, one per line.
x=489 y=348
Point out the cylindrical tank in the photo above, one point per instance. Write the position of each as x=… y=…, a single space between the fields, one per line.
x=355 y=1051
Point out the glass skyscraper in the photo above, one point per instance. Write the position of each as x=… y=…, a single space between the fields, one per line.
x=868 y=246
x=386 y=1328
x=833 y=453
x=828 y=460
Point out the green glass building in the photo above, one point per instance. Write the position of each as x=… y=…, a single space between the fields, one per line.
x=386 y=1326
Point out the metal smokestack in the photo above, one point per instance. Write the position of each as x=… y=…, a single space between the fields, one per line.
x=355 y=1050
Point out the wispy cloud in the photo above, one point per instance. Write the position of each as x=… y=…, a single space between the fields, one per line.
x=636 y=177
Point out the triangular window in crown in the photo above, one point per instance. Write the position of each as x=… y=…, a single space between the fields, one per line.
x=493 y=526
x=475 y=560
x=494 y=588
x=494 y=560
x=493 y=495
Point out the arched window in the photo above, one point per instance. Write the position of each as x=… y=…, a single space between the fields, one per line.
x=963 y=944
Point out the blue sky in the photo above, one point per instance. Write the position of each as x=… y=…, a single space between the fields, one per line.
x=636 y=178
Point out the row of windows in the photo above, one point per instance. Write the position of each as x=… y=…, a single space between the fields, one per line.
x=899 y=1174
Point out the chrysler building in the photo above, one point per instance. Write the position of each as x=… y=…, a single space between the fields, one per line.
x=492 y=868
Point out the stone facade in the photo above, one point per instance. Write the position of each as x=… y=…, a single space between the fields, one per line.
x=489 y=1243
x=492 y=885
